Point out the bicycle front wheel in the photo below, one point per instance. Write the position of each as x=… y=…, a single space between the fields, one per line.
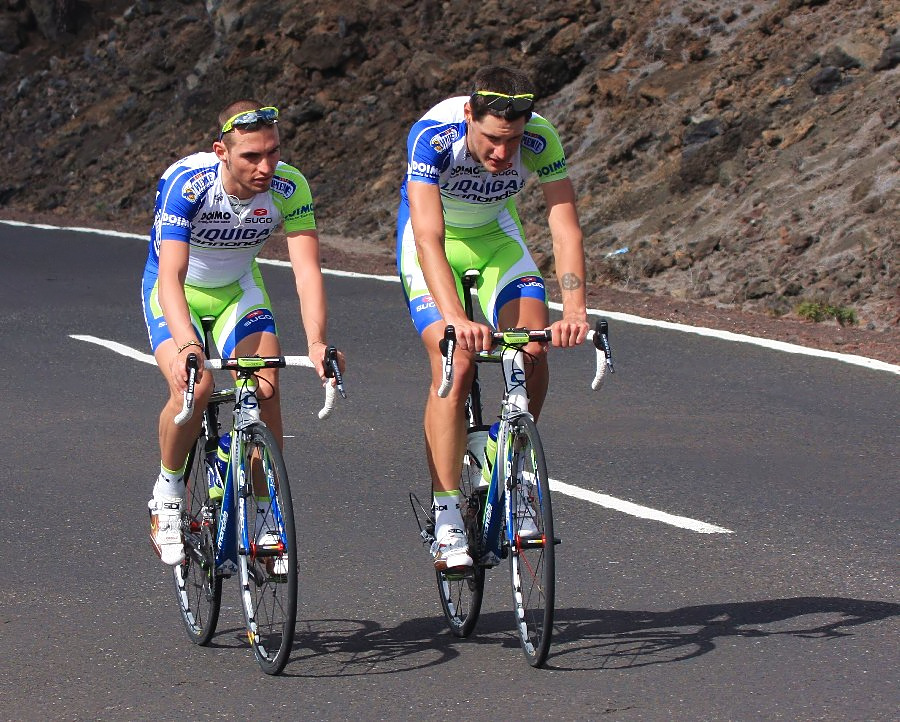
x=532 y=564
x=268 y=567
x=197 y=588
x=461 y=592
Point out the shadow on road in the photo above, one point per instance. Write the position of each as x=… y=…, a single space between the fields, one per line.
x=584 y=639
x=628 y=639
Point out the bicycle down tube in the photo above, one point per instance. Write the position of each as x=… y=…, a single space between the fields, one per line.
x=507 y=512
x=221 y=538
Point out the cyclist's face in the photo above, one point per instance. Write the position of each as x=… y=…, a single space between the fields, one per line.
x=493 y=141
x=249 y=159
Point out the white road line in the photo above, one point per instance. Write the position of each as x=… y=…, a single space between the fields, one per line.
x=117 y=347
x=610 y=502
x=624 y=317
x=642 y=512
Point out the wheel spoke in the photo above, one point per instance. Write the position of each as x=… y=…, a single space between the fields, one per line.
x=461 y=594
x=532 y=561
x=198 y=590
x=269 y=568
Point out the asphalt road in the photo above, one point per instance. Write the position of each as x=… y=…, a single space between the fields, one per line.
x=790 y=611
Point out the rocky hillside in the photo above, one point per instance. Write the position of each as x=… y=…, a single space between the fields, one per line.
x=738 y=154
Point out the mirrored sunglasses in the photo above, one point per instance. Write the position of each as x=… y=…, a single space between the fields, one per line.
x=250 y=119
x=501 y=101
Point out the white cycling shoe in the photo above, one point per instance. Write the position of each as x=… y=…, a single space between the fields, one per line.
x=451 y=551
x=165 y=529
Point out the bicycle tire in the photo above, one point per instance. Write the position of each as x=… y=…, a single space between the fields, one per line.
x=461 y=593
x=268 y=579
x=198 y=590
x=532 y=561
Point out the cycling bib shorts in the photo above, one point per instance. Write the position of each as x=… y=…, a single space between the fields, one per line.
x=240 y=309
x=497 y=250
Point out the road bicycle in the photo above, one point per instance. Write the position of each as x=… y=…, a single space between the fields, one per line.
x=238 y=516
x=510 y=516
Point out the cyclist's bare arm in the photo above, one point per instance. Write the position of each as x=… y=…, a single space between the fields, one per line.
x=173 y=265
x=568 y=254
x=427 y=217
x=303 y=251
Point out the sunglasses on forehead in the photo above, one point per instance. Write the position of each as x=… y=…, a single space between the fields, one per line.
x=501 y=101
x=250 y=119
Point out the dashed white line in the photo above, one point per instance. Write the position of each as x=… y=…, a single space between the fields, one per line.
x=610 y=502
x=632 y=509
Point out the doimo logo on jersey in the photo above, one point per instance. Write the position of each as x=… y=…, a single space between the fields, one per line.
x=421 y=169
x=214 y=216
x=300 y=211
x=552 y=168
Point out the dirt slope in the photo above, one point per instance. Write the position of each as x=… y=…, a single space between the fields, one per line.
x=737 y=159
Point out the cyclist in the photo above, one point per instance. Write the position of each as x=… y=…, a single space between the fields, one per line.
x=214 y=212
x=467 y=157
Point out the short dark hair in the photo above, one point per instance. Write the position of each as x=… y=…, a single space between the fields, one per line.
x=499 y=79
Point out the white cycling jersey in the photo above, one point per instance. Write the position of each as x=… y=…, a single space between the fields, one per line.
x=471 y=196
x=192 y=206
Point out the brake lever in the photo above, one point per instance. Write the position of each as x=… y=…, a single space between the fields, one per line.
x=333 y=370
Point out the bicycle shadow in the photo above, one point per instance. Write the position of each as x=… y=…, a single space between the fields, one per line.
x=596 y=639
x=583 y=639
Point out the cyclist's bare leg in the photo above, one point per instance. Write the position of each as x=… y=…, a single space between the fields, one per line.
x=265 y=344
x=175 y=441
x=445 y=423
x=530 y=313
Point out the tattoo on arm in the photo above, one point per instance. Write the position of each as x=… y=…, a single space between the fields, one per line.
x=569 y=282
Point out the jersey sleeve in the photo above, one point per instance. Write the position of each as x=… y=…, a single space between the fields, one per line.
x=180 y=192
x=542 y=151
x=292 y=196
x=427 y=148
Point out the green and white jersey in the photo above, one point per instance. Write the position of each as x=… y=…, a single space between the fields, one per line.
x=192 y=206
x=471 y=196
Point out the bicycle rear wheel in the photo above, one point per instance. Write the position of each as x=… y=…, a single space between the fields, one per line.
x=532 y=564
x=461 y=593
x=268 y=569
x=197 y=588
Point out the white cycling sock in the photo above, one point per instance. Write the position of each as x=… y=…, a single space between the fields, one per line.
x=169 y=483
x=446 y=513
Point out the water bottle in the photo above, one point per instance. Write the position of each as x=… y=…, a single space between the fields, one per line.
x=223 y=453
x=490 y=453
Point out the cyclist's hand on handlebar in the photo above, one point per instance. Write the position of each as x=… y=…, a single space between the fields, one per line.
x=569 y=331
x=317 y=355
x=178 y=371
x=472 y=336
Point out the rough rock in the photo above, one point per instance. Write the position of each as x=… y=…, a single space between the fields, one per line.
x=746 y=157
